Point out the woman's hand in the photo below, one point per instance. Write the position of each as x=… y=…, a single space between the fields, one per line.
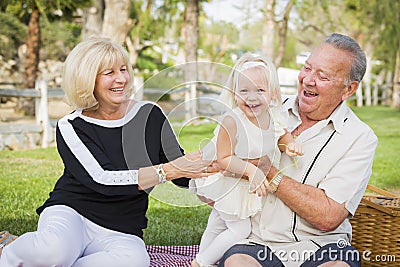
x=190 y=165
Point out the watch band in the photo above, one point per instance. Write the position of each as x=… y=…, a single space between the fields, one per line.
x=274 y=183
x=162 y=176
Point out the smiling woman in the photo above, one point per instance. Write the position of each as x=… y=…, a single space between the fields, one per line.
x=114 y=149
x=107 y=66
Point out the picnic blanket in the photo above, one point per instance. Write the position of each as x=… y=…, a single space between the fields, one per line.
x=171 y=256
x=160 y=256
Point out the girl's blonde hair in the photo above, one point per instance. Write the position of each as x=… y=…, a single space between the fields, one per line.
x=84 y=63
x=247 y=61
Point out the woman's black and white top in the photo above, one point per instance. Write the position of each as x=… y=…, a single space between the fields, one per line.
x=101 y=161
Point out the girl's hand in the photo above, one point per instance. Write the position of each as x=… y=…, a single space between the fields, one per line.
x=257 y=184
x=294 y=149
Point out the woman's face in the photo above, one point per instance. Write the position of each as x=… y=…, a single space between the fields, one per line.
x=110 y=87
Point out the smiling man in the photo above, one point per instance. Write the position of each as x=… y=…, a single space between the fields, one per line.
x=305 y=219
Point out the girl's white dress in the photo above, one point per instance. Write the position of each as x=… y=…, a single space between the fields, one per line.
x=231 y=195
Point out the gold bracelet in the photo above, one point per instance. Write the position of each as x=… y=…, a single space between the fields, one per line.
x=274 y=183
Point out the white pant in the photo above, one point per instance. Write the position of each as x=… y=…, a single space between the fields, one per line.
x=219 y=236
x=64 y=238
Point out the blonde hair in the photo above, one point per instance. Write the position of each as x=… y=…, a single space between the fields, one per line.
x=82 y=65
x=252 y=61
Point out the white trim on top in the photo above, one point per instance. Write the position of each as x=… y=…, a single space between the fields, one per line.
x=83 y=155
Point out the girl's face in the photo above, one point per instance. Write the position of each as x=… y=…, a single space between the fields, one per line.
x=110 y=86
x=252 y=95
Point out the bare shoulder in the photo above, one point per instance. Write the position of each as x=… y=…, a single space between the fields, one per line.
x=228 y=123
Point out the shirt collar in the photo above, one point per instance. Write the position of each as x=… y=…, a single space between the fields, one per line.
x=338 y=116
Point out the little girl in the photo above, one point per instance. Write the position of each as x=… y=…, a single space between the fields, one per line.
x=253 y=126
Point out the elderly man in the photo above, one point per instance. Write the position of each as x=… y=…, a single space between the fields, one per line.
x=305 y=219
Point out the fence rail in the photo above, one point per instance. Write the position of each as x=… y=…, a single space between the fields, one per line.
x=41 y=95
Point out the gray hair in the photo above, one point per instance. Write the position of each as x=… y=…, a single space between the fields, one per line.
x=346 y=43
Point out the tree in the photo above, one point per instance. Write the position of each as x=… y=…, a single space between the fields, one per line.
x=92 y=19
x=269 y=29
x=30 y=12
x=138 y=36
x=385 y=22
x=216 y=40
x=191 y=35
x=116 y=23
x=13 y=34
x=32 y=48
x=34 y=10
x=282 y=33
x=273 y=24
x=367 y=21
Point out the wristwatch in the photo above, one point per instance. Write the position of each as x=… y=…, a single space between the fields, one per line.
x=162 y=176
x=274 y=183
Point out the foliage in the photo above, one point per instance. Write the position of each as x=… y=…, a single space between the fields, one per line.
x=368 y=21
x=145 y=23
x=151 y=61
x=216 y=41
x=50 y=10
x=289 y=57
x=250 y=37
x=12 y=35
x=58 y=39
x=385 y=23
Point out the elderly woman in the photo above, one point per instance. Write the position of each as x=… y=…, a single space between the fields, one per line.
x=113 y=149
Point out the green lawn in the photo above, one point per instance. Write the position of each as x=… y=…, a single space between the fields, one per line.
x=176 y=217
x=386 y=124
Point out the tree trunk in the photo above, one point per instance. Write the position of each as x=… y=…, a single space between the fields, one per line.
x=368 y=74
x=282 y=34
x=387 y=88
x=396 y=81
x=31 y=62
x=32 y=49
x=269 y=29
x=191 y=35
x=359 y=95
x=93 y=19
x=367 y=82
x=116 y=23
x=134 y=47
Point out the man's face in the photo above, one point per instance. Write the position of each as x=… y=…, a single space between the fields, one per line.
x=323 y=82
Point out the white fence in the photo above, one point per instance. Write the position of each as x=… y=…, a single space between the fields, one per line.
x=42 y=133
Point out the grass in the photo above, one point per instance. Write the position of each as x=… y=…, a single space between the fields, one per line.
x=176 y=217
x=386 y=124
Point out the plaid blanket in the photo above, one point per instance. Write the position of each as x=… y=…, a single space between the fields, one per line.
x=171 y=256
